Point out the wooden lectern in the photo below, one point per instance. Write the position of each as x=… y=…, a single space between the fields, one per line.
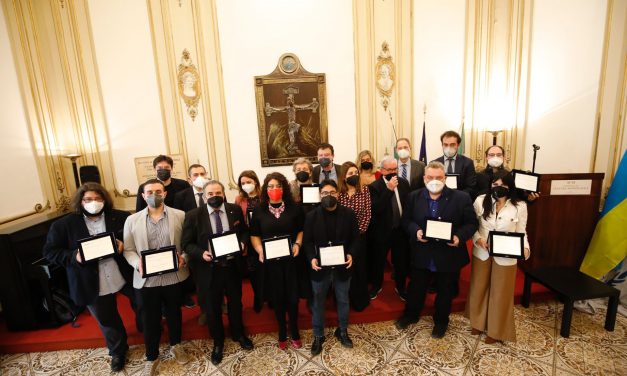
x=561 y=222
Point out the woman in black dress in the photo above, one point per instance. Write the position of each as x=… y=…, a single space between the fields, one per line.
x=278 y=215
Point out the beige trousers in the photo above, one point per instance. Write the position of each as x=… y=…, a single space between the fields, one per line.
x=490 y=305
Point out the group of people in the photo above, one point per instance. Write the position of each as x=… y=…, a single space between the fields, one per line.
x=368 y=212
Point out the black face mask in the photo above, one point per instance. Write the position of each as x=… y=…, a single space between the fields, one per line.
x=500 y=191
x=390 y=176
x=352 y=180
x=163 y=174
x=328 y=202
x=302 y=176
x=366 y=165
x=215 y=201
x=324 y=162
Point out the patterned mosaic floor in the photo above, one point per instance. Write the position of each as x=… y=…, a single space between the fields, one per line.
x=380 y=349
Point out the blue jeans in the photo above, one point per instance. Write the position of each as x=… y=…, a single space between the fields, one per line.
x=320 y=289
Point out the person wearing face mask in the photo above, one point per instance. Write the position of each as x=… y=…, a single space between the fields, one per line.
x=278 y=215
x=388 y=195
x=94 y=284
x=458 y=164
x=192 y=196
x=154 y=227
x=163 y=166
x=408 y=168
x=302 y=169
x=330 y=223
x=437 y=259
x=325 y=169
x=248 y=199
x=367 y=173
x=218 y=278
x=357 y=198
x=490 y=304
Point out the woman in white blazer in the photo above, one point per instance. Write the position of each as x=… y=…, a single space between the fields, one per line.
x=490 y=305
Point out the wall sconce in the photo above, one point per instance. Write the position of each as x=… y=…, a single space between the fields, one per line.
x=73 y=157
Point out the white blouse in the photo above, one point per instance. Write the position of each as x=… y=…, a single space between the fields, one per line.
x=512 y=218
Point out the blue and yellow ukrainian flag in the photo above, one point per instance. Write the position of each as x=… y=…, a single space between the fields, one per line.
x=608 y=246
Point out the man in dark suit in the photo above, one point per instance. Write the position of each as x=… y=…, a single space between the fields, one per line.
x=326 y=169
x=436 y=258
x=458 y=164
x=192 y=196
x=94 y=284
x=409 y=169
x=219 y=277
x=388 y=194
x=163 y=166
x=330 y=224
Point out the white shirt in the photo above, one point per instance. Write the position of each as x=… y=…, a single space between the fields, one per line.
x=512 y=218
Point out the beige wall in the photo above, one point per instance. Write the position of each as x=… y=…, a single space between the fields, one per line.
x=98 y=77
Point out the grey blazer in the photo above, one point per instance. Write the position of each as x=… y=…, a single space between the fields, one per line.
x=136 y=240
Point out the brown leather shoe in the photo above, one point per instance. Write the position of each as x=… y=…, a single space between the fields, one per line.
x=489 y=340
x=475 y=332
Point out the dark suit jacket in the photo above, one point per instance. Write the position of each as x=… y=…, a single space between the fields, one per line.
x=175 y=186
x=186 y=199
x=467 y=175
x=381 y=196
x=417 y=172
x=315 y=175
x=315 y=233
x=454 y=206
x=61 y=248
x=195 y=237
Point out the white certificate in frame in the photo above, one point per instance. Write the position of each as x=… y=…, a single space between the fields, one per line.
x=439 y=230
x=507 y=244
x=452 y=181
x=159 y=261
x=224 y=245
x=310 y=194
x=97 y=247
x=527 y=181
x=277 y=248
x=332 y=255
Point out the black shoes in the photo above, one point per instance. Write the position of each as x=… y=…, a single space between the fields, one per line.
x=316 y=346
x=245 y=343
x=404 y=322
x=342 y=336
x=402 y=294
x=439 y=331
x=216 y=355
x=117 y=363
x=373 y=293
x=188 y=301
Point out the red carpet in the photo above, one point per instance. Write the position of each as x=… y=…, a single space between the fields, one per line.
x=387 y=306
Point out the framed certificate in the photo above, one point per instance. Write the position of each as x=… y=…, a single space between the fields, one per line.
x=439 y=230
x=310 y=193
x=527 y=181
x=507 y=244
x=159 y=261
x=224 y=245
x=97 y=247
x=452 y=181
x=331 y=255
x=277 y=248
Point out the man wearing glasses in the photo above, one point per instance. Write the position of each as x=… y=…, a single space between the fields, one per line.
x=329 y=236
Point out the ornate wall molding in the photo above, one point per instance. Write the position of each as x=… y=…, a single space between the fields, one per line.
x=189 y=84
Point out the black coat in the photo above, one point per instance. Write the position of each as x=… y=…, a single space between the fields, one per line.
x=195 y=237
x=467 y=175
x=454 y=206
x=61 y=248
x=315 y=233
x=381 y=196
x=186 y=199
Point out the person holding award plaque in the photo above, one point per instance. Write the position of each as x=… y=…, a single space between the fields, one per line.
x=490 y=305
x=276 y=233
x=215 y=234
x=330 y=237
x=87 y=244
x=439 y=221
x=152 y=239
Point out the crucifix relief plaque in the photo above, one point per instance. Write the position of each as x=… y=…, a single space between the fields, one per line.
x=291 y=113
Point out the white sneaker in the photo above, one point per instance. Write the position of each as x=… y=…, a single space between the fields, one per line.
x=179 y=354
x=150 y=368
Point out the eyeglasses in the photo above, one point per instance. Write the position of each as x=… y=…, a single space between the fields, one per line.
x=89 y=199
x=495 y=155
x=327 y=193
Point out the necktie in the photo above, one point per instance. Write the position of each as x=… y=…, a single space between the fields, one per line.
x=218 y=221
x=326 y=174
x=404 y=171
x=450 y=166
x=201 y=202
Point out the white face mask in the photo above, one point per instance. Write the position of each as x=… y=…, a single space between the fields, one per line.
x=435 y=186
x=199 y=182
x=403 y=153
x=495 y=162
x=93 y=207
x=449 y=152
x=248 y=188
